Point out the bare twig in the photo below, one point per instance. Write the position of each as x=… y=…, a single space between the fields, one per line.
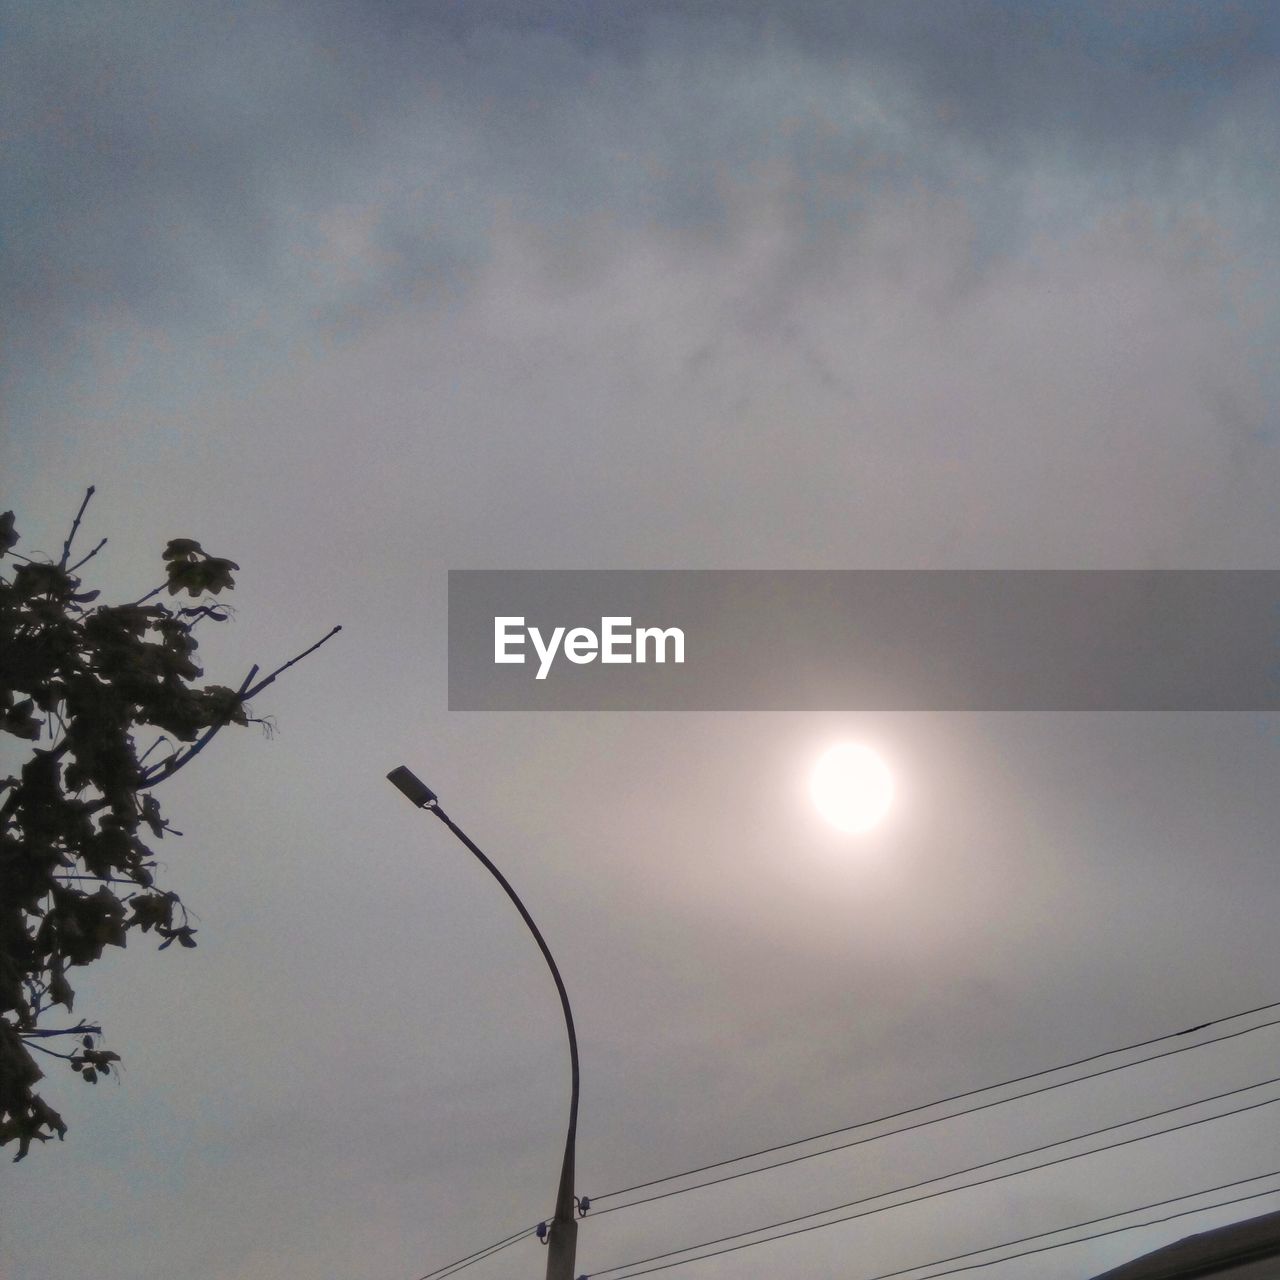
x=66 y=546
x=154 y=592
x=137 y=884
x=82 y=1029
x=53 y=1053
x=86 y=559
x=162 y=738
x=262 y=684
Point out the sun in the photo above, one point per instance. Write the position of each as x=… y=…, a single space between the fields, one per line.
x=852 y=787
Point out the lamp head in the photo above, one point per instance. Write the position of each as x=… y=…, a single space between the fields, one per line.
x=412 y=786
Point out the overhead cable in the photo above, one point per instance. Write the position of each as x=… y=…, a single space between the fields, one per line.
x=957 y=1097
x=1043 y=1235
x=954 y=1173
x=460 y=1264
x=917 y=1124
x=440 y=1273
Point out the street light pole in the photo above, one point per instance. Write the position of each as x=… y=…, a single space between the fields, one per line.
x=562 y=1239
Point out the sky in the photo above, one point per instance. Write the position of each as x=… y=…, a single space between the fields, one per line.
x=357 y=293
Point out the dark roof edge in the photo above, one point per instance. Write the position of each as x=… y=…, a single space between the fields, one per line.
x=1206 y=1253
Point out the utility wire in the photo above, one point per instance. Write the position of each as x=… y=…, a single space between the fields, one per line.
x=1063 y=1244
x=931 y=1195
x=480 y=1254
x=957 y=1097
x=921 y=1124
x=1097 y=1235
x=460 y=1264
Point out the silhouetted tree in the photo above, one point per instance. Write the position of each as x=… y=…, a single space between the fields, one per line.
x=108 y=697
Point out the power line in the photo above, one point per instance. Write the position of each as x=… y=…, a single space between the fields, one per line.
x=460 y=1264
x=924 y=1124
x=1063 y=1244
x=440 y=1273
x=970 y=1093
x=1097 y=1235
x=954 y=1173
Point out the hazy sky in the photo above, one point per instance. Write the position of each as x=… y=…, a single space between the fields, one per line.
x=356 y=293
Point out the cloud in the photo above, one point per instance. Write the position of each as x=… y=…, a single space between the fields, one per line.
x=199 y=160
x=359 y=292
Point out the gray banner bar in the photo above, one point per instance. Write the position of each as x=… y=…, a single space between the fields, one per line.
x=864 y=640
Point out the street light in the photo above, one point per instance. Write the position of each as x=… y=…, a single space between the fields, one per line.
x=563 y=1237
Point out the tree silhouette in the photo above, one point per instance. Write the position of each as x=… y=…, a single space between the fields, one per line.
x=108 y=697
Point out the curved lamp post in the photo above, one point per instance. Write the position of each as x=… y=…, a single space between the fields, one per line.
x=563 y=1237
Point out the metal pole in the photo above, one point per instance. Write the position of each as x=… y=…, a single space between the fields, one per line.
x=562 y=1239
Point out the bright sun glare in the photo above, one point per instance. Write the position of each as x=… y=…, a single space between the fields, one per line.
x=852 y=787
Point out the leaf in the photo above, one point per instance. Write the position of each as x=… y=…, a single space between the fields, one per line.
x=60 y=990
x=19 y=721
x=151 y=816
x=8 y=534
x=180 y=548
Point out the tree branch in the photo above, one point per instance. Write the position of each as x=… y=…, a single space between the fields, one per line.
x=154 y=745
x=164 y=771
x=262 y=684
x=84 y=1029
x=53 y=1053
x=66 y=546
x=86 y=559
x=137 y=884
x=103 y=686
